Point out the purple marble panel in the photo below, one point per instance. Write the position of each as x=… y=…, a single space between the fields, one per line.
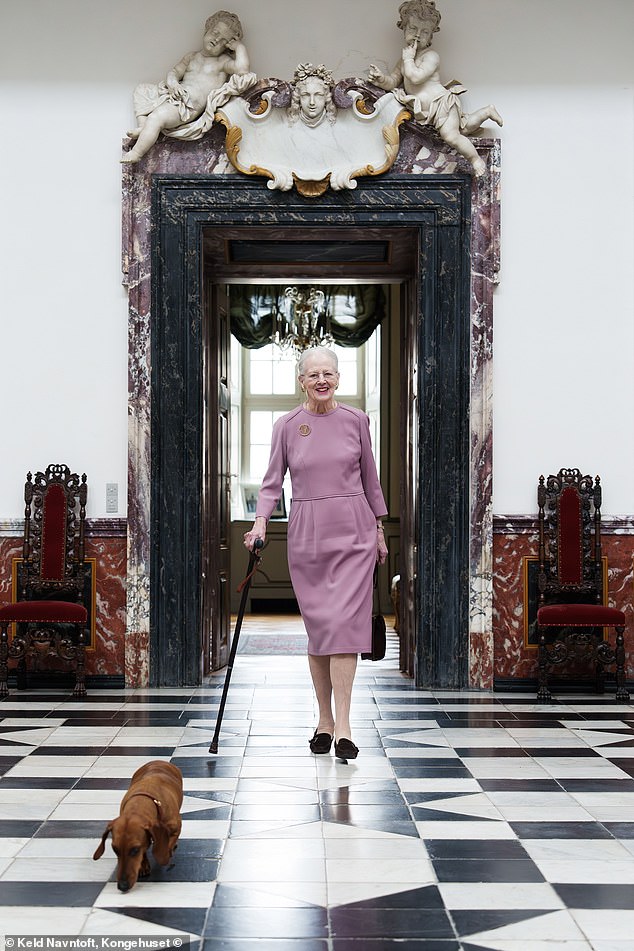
x=110 y=614
x=106 y=542
x=423 y=152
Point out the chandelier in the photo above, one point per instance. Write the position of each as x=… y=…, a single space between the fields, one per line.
x=302 y=320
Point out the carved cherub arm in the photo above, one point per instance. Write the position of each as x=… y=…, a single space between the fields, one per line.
x=423 y=70
x=239 y=62
x=176 y=73
x=387 y=81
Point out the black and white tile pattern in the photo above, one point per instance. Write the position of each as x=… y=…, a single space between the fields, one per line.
x=469 y=821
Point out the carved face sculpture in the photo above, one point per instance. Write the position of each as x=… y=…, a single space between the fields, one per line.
x=218 y=38
x=418 y=32
x=312 y=98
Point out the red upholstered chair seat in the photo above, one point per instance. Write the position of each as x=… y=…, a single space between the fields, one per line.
x=580 y=615
x=45 y=612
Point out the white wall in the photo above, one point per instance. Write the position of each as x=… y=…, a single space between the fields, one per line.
x=561 y=74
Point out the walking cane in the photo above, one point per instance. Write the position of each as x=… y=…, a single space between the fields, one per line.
x=254 y=561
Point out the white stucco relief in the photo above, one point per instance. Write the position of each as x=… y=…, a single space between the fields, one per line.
x=315 y=141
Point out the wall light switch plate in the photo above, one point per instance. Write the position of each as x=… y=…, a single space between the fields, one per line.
x=112 y=496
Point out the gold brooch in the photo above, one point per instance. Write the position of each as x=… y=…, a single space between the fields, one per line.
x=304 y=430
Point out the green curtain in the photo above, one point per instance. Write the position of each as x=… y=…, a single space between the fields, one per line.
x=355 y=311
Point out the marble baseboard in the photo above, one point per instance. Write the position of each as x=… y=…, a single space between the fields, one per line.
x=498 y=655
x=527 y=524
x=103 y=527
x=110 y=552
x=514 y=538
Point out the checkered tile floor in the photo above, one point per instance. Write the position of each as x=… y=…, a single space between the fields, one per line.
x=469 y=820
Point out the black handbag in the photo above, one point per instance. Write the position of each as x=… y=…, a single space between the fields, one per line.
x=378 y=631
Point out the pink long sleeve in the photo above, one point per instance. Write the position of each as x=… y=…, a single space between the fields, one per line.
x=369 y=475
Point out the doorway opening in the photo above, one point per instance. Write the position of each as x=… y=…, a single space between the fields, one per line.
x=364 y=282
x=363 y=321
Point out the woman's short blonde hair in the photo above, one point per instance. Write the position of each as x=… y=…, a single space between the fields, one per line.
x=316 y=352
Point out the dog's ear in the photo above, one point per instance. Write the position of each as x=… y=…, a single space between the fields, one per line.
x=160 y=843
x=100 y=848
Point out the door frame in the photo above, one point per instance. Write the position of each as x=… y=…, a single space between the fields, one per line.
x=215 y=493
x=439 y=207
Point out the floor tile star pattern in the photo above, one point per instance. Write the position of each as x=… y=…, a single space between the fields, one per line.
x=471 y=820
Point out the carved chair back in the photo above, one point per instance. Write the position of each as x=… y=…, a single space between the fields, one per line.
x=54 y=516
x=570 y=565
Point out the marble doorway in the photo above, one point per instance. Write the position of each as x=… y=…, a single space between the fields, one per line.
x=166 y=214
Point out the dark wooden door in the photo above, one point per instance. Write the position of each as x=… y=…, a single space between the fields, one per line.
x=409 y=478
x=216 y=500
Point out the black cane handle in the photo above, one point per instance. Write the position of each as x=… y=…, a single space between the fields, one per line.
x=254 y=562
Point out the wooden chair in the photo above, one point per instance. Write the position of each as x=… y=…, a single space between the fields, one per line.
x=50 y=618
x=572 y=612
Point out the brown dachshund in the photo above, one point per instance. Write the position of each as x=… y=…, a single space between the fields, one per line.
x=149 y=815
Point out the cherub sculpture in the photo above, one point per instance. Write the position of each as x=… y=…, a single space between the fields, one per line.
x=184 y=104
x=312 y=95
x=415 y=82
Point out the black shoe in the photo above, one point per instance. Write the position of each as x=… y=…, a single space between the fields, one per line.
x=345 y=749
x=320 y=743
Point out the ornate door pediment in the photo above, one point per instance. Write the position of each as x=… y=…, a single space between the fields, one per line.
x=345 y=143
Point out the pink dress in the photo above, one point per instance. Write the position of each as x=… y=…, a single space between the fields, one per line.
x=337 y=498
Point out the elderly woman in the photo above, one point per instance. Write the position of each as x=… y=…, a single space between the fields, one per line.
x=335 y=535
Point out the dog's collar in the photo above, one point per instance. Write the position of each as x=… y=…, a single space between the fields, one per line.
x=157 y=802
